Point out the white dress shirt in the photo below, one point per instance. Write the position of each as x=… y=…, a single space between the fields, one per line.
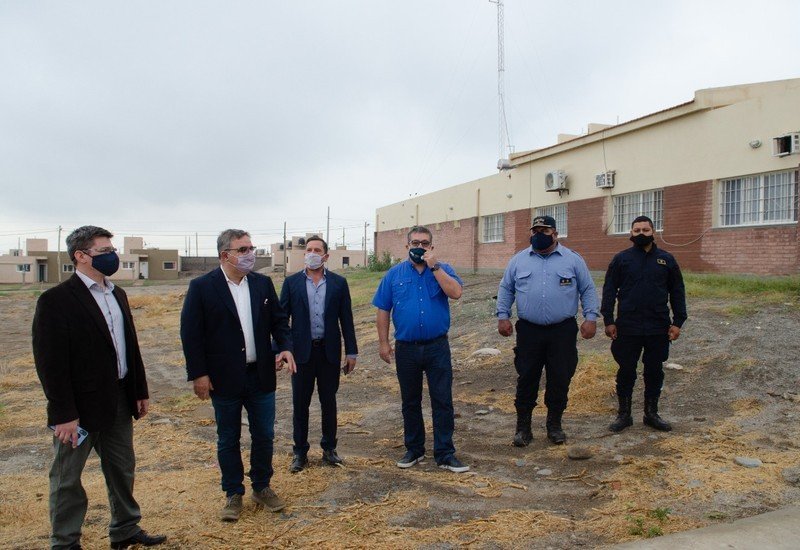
x=107 y=303
x=241 y=297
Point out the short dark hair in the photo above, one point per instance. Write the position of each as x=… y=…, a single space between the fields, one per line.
x=419 y=229
x=643 y=219
x=83 y=239
x=227 y=237
x=320 y=239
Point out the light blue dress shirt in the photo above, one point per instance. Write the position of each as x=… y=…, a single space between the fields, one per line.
x=546 y=288
x=316 y=305
x=107 y=302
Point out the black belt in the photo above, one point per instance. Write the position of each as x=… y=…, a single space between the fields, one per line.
x=564 y=322
x=318 y=343
x=423 y=342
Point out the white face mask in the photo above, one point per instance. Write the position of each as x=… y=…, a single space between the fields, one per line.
x=313 y=260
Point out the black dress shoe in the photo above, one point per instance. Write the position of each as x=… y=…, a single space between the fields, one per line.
x=299 y=462
x=140 y=538
x=330 y=457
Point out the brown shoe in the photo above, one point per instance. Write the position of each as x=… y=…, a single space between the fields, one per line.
x=232 y=509
x=268 y=499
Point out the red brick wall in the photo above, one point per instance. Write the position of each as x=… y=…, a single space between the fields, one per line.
x=687 y=234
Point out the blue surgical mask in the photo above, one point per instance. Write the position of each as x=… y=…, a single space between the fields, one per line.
x=107 y=263
x=540 y=241
x=416 y=255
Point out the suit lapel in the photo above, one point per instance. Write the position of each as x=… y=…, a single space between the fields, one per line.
x=302 y=285
x=330 y=285
x=221 y=286
x=255 y=299
x=85 y=298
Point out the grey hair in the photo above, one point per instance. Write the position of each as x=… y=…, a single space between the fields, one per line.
x=227 y=237
x=419 y=229
x=83 y=239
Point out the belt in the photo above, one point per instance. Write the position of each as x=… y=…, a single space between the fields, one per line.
x=318 y=342
x=565 y=321
x=423 y=342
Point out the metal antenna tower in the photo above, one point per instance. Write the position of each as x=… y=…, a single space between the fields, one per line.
x=505 y=141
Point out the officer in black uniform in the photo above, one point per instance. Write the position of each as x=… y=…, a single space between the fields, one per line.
x=646 y=281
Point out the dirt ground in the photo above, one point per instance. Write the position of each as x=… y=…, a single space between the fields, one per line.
x=735 y=396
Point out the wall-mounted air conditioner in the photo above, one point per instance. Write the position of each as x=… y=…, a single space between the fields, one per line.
x=787 y=144
x=605 y=180
x=555 y=180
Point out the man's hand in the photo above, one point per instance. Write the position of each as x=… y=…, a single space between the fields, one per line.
x=386 y=352
x=202 y=387
x=674 y=333
x=504 y=327
x=611 y=331
x=349 y=365
x=430 y=258
x=67 y=433
x=588 y=329
x=142 y=406
x=288 y=358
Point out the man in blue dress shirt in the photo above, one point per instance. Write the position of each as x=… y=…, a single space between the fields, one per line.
x=546 y=281
x=416 y=293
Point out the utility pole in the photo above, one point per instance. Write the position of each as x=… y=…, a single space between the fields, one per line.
x=365 y=243
x=328 y=228
x=505 y=146
x=343 y=241
x=58 y=255
x=196 y=246
x=284 y=250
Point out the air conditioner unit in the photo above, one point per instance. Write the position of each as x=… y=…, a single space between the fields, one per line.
x=605 y=180
x=787 y=144
x=555 y=180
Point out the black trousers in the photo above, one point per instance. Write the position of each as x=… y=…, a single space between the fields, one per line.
x=653 y=349
x=545 y=347
x=326 y=375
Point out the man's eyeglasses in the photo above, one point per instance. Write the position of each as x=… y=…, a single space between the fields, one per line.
x=241 y=249
x=423 y=244
x=100 y=251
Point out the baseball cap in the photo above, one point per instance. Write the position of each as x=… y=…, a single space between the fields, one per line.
x=543 y=221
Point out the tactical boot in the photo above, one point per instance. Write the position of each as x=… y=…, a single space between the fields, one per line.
x=523 y=437
x=554 y=431
x=651 y=417
x=624 y=418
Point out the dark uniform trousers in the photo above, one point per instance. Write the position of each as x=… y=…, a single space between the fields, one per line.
x=551 y=348
x=653 y=350
x=68 y=502
x=326 y=375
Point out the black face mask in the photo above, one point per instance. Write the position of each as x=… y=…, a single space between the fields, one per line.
x=540 y=241
x=641 y=240
x=416 y=255
x=107 y=263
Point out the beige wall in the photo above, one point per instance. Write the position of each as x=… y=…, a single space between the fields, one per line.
x=35 y=245
x=706 y=139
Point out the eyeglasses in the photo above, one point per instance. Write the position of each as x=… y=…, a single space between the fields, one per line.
x=423 y=244
x=100 y=251
x=241 y=249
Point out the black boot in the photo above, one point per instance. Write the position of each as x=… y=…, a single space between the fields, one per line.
x=554 y=431
x=651 y=417
x=523 y=437
x=624 y=418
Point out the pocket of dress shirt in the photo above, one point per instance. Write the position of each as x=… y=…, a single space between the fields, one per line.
x=566 y=280
x=400 y=290
x=522 y=281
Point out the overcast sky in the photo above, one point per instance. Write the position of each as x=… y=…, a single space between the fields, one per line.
x=170 y=118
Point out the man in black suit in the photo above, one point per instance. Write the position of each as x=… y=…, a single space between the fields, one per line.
x=318 y=302
x=88 y=360
x=227 y=319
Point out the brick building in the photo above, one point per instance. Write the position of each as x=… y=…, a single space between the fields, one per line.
x=718 y=175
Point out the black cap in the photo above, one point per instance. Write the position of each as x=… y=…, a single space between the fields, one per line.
x=543 y=221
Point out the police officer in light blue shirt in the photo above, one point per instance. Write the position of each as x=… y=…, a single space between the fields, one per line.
x=546 y=281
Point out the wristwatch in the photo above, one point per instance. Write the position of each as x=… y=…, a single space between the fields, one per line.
x=436 y=266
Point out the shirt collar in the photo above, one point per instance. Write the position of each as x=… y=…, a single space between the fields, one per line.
x=230 y=281
x=89 y=282
x=324 y=273
x=556 y=249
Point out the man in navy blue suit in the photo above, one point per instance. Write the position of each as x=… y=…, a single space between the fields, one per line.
x=318 y=303
x=227 y=319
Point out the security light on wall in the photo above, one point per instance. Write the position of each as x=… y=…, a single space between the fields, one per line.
x=509 y=195
x=755 y=144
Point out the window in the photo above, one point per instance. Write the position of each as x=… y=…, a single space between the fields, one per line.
x=170 y=266
x=24 y=268
x=647 y=203
x=559 y=213
x=346 y=261
x=67 y=268
x=493 y=228
x=759 y=199
x=127 y=265
x=786 y=145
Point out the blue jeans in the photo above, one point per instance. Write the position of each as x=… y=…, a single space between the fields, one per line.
x=434 y=360
x=260 y=407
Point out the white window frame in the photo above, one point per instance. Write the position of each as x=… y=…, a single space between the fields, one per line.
x=559 y=213
x=128 y=265
x=173 y=268
x=759 y=199
x=67 y=268
x=493 y=228
x=26 y=268
x=629 y=206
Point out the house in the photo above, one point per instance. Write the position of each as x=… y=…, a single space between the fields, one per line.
x=294 y=250
x=717 y=174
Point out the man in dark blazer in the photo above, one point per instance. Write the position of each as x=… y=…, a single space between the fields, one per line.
x=318 y=302
x=88 y=360
x=227 y=319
